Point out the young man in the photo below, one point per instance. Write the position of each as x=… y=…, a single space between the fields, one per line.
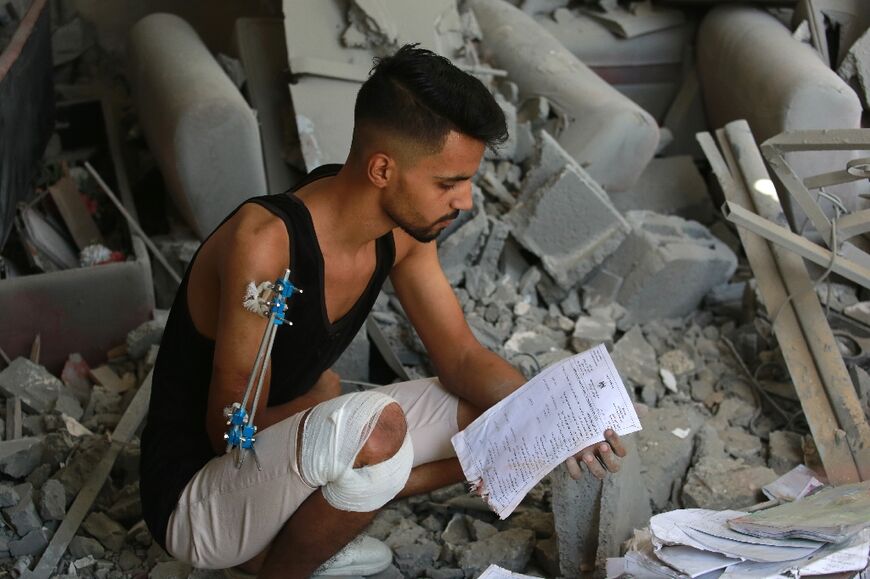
x=329 y=462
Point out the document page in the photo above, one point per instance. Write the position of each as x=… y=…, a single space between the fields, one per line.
x=562 y=410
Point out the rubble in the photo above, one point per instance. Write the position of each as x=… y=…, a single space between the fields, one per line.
x=658 y=250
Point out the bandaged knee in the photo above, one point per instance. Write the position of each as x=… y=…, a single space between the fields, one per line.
x=334 y=433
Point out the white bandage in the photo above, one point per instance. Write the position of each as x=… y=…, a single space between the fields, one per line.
x=334 y=433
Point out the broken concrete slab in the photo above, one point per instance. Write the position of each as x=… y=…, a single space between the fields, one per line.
x=19 y=457
x=671 y=186
x=509 y=549
x=625 y=504
x=635 y=359
x=570 y=224
x=109 y=533
x=609 y=135
x=199 y=128
x=576 y=508
x=659 y=250
x=665 y=457
x=460 y=249
x=589 y=331
x=23 y=516
x=34 y=385
x=52 y=501
x=32 y=543
x=855 y=68
x=725 y=484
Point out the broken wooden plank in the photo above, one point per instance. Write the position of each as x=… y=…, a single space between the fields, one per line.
x=36 y=349
x=81 y=225
x=839 y=464
x=817 y=332
x=134 y=225
x=105 y=376
x=793 y=242
x=129 y=423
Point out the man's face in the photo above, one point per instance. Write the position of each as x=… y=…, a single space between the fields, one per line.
x=430 y=191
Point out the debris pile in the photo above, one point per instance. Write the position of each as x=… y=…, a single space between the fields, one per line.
x=594 y=223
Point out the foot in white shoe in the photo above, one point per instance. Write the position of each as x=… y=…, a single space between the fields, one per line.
x=363 y=556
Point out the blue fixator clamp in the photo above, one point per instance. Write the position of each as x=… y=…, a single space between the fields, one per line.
x=241 y=431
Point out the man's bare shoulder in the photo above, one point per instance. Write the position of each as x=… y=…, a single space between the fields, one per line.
x=254 y=236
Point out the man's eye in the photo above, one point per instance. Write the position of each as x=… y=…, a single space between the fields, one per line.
x=447 y=186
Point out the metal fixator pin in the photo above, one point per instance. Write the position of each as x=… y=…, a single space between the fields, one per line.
x=241 y=432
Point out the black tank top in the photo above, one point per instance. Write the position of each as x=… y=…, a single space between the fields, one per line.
x=175 y=444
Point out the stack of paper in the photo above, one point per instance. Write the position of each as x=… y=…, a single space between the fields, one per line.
x=828 y=532
x=562 y=410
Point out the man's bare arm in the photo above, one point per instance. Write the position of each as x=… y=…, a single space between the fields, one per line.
x=256 y=249
x=464 y=366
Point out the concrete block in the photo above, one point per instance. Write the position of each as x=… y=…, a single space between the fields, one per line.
x=459 y=250
x=609 y=135
x=625 y=505
x=197 y=124
x=635 y=359
x=576 y=508
x=665 y=457
x=32 y=543
x=669 y=185
x=750 y=67
x=143 y=337
x=23 y=516
x=492 y=250
x=667 y=265
x=354 y=362
x=725 y=484
x=109 y=533
x=85 y=546
x=570 y=224
x=52 y=501
x=36 y=386
x=509 y=549
x=19 y=457
x=589 y=331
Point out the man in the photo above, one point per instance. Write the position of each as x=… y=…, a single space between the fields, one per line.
x=329 y=462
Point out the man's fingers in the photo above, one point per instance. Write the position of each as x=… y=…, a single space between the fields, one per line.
x=615 y=443
x=611 y=461
x=593 y=465
x=573 y=468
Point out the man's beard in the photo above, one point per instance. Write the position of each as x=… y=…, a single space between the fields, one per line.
x=428 y=234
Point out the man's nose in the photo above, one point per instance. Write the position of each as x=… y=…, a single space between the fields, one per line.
x=463 y=200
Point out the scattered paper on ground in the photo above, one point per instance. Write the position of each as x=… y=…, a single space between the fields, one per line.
x=496 y=572
x=562 y=410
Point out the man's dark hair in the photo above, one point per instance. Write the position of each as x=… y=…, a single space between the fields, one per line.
x=420 y=95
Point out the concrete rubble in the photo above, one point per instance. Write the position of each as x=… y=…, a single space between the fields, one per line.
x=596 y=222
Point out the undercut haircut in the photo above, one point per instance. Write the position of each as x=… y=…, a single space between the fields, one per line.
x=420 y=97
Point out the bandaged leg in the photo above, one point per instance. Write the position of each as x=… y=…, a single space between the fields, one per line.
x=334 y=432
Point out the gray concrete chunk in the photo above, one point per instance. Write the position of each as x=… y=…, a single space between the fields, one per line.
x=19 y=457
x=23 y=516
x=52 y=501
x=36 y=386
x=570 y=224
x=458 y=250
x=510 y=549
x=667 y=265
x=105 y=530
x=32 y=543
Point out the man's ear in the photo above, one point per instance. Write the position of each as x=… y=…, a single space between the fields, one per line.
x=381 y=169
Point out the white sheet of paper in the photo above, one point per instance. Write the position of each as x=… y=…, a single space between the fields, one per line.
x=666 y=528
x=793 y=485
x=556 y=414
x=852 y=557
x=693 y=562
x=496 y=572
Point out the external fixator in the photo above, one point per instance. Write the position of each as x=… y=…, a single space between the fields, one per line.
x=241 y=432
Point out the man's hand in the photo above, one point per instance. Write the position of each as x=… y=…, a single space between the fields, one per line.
x=599 y=458
x=327 y=387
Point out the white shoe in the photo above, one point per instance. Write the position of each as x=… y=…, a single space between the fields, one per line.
x=363 y=556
